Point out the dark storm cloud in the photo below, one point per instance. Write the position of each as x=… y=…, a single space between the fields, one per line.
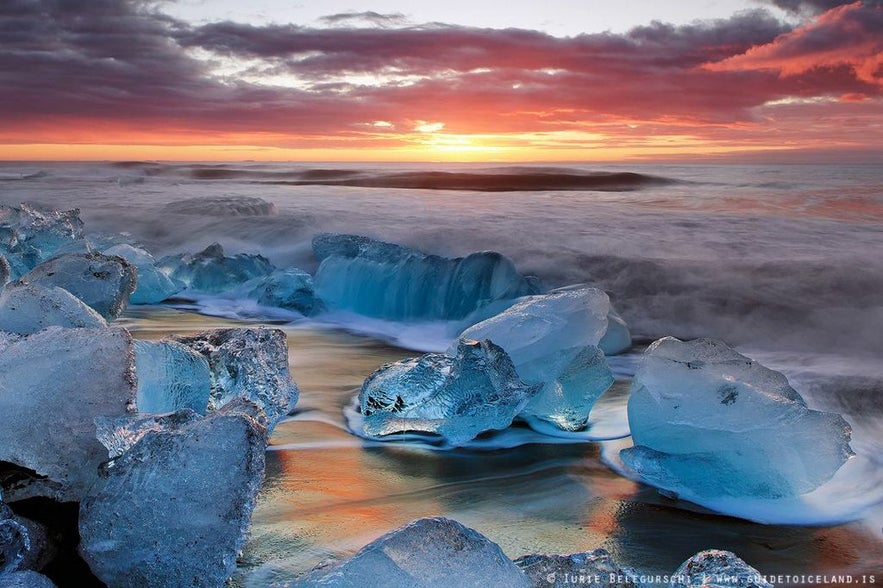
x=813 y=6
x=371 y=17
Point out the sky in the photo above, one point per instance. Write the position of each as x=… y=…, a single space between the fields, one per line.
x=558 y=80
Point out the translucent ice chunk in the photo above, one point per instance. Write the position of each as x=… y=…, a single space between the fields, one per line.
x=103 y=282
x=564 y=571
x=25 y=579
x=250 y=364
x=29 y=235
x=28 y=308
x=552 y=340
x=289 y=288
x=456 y=396
x=53 y=384
x=708 y=421
x=173 y=509
x=119 y=435
x=427 y=553
x=153 y=285
x=171 y=376
x=14 y=544
x=211 y=271
x=717 y=569
x=389 y=281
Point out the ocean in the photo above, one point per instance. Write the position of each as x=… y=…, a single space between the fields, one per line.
x=784 y=262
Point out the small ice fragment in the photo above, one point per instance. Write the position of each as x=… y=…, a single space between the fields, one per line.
x=717 y=569
x=153 y=285
x=211 y=271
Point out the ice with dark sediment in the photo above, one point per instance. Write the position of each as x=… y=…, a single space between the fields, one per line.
x=29 y=235
x=211 y=271
x=563 y=571
x=104 y=282
x=426 y=553
x=171 y=376
x=290 y=288
x=174 y=508
x=15 y=541
x=457 y=395
x=714 y=568
x=709 y=422
x=393 y=282
x=250 y=364
x=553 y=342
x=153 y=286
x=53 y=384
x=27 y=308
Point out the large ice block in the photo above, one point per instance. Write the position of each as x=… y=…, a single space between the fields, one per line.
x=104 y=282
x=552 y=340
x=708 y=421
x=211 y=271
x=427 y=553
x=28 y=308
x=457 y=396
x=154 y=286
x=289 y=288
x=393 y=282
x=717 y=569
x=173 y=509
x=171 y=376
x=250 y=364
x=53 y=384
x=29 y=235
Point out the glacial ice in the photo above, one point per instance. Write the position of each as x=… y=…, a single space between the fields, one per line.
x=154 y=286
x=211 y=271
x=457 y=396
x=103 y=282
x=173 y=509
x=250 y=364
x=14 y=544
x=389 y=281
x=707 y=421
x=28 y=308
x=617 y=339
x=717 y=569
x=289 y=288
x=53 y=384
x=552 y=340
x=29 y=235
x=426 y=553
x=565 y=571
x=25 y=579
x=120 y=434
x=171 y=376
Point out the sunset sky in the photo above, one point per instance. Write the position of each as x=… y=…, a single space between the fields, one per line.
x=558 y=80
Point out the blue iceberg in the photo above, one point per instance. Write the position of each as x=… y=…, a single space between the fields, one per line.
x=456 y=396
x=153 y=286
x=211 y=271
x=426 y=553
x=553 y=342
x=289 y=288
x=392 y=282
x=29 y=235
x=171 y=377
x=104 y=282
x=28 y=308
x=709 y=422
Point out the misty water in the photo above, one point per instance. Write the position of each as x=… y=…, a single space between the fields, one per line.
x=782 y=262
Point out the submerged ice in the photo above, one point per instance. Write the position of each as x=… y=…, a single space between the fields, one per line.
x=393 y=282
x=707 y=421
x=457 y=396
x=553 y=340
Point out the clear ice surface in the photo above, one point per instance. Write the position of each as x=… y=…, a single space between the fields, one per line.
x=29 y=235
x=173 y=509
x=426 y=553
x=456 y=396
x=53 y=384
x=707 y=421
x=211 y=271
x=289 y=288
x=154 y=286
x=103 y=282
x=552 y=340
x=393 y=282
x=250 y=364
x=717 y=569
x=565 y=571
x=171 y=376
x=28 y=308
